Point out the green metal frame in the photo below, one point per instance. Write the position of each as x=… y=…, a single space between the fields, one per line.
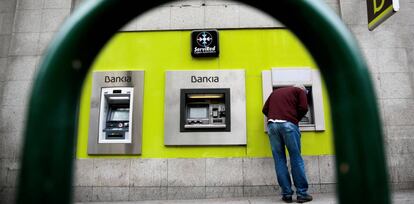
x=48 y=152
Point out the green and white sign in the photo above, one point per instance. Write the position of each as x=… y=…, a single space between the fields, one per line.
x=380 y=10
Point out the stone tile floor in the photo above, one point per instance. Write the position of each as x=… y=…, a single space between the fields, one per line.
x=399 y=197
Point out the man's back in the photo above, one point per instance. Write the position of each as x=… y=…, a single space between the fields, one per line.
x=286 y=103
x=290 y=104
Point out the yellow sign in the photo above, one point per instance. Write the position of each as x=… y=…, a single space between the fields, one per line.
x=380 y=10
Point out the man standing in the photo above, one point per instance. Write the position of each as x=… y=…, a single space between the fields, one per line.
x=284 y=108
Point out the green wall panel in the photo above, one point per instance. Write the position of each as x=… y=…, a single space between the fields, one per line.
x=155 y=52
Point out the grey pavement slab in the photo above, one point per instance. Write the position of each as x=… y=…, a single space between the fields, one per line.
x=403 y=197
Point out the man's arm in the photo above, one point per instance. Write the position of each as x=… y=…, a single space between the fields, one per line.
x=303 y=104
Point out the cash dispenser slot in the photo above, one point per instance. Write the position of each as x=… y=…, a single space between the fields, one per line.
x=205 y=110
x=115 y=115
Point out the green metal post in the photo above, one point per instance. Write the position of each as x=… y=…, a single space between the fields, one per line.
x=360 y=162
x=48 y=150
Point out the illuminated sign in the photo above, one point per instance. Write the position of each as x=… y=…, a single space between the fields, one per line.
x=204 y=43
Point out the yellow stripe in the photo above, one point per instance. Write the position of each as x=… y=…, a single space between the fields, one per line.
x=383 y=15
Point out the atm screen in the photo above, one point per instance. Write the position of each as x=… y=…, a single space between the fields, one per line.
x=119 y=114
x=198 y=112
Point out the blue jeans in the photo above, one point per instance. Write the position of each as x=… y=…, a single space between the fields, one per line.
x=281 y=135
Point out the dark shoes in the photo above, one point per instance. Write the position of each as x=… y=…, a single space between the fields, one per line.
x=287 y=199
x=300 y=199
x=303 y=199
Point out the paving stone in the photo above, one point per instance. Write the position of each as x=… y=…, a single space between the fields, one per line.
x=224 y=172
x=186 y=172
x=148 y=193
x=148 y=172
x=111 y=172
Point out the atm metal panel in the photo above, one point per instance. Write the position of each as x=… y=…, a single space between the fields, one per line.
x=279 y=77
x=234 y=80
x=137 y=83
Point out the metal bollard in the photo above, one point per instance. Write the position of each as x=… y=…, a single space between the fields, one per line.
x=48 y=151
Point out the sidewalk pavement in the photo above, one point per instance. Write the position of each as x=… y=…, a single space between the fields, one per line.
x=399 y=197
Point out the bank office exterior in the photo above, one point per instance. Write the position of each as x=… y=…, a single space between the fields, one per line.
x=148 y=69
x=230 y=157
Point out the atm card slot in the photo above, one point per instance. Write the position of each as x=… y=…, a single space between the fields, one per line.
x=118 y=136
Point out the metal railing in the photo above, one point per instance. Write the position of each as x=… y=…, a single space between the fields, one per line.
x=48 y=151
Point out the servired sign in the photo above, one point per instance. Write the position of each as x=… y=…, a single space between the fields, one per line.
x=204 y=43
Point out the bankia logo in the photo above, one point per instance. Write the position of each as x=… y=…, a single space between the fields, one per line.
x=204 y=79
x=117 y=79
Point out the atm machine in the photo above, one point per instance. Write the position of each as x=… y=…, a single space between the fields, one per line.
x=204 y=110
x=289 y=76
x=115 y=115
x=205 y=107
x=115 y=125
